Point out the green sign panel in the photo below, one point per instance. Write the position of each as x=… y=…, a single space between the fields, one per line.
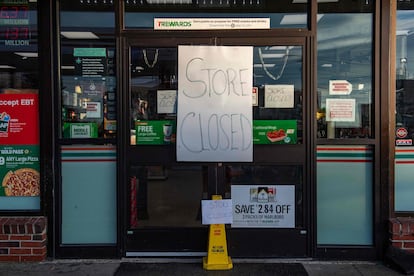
x=19 y=170
x=274 y=132
x=80 y=130
x=89 y=52
x=155 y=132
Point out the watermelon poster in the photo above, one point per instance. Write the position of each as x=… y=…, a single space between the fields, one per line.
x=274 y=132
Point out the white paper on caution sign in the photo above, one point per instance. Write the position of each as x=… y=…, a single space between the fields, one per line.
x=214 y=110
x=216 y=211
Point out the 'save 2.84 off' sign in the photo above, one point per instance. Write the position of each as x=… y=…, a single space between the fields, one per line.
x=263 y=206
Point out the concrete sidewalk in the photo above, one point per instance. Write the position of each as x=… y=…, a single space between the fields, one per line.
x=109 y=267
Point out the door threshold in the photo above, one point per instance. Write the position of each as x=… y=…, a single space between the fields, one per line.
x=173 y=258
x=166 y=254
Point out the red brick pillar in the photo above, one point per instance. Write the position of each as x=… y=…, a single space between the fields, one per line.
x=23 y=239
x=402 y=233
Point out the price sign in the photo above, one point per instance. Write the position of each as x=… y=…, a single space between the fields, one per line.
x=15 y=23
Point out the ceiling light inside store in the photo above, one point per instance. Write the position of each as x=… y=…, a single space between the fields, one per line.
x=7 y=67
x=27 y=54
x=272 y=55
x=67 y=67
x=259 y=65
x=327 y=65
x=79 y=35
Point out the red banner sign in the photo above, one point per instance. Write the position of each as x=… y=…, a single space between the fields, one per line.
x=19 y=119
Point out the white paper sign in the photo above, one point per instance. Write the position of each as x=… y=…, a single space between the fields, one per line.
x=214 y=114
x=263 y=206
x=340 y=87
x=166 y=101
x=279 y=96
x=217 y=211
x=340 y=110
x=255 y=96
x=93 y=110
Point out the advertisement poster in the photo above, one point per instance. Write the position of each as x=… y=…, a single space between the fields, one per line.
x=19 y=170
x=274 y=132
x=19 y=137
x=210 y=23
x=80 y=130
x=214 y=112
x=154 y=132
x=19 y=119
x=263 y=206
x=90 y=62
x=15 y=24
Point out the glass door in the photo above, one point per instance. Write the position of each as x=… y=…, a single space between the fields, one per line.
x=163 y=196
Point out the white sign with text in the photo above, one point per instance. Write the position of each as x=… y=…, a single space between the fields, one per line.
x=216 y=211
x=166 y=101
x=214 y=111
x=279 y=96
x=263 y=206
x=340 y=110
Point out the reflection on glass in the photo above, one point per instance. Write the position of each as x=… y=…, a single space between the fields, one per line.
x=277 y=99
x=153 y=95
x=277 y=76
x=345 y=70
x=19 y=123
x=405 y=72
x=404 y=190
x=282 y=13
x=162 y=196
x=88 y=65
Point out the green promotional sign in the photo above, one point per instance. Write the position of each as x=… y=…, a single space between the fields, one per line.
x=155 y=132
x=274 y=132
x=89 y=52
x=19 y=170
x=80 y=130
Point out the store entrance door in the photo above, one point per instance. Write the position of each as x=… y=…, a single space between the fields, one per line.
x=162 y=207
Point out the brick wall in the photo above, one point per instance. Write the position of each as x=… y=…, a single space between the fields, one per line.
x=22 y=239
x=402 y=233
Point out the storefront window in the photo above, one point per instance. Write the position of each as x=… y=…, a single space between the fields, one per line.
x=19 y=118
x=404 y=129
x=88 y=70
x=215 y=14
x=88 y=122
x=345 y=98
x=277 y=95
x=345 y=111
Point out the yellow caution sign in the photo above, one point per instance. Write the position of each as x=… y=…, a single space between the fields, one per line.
x=217 y=256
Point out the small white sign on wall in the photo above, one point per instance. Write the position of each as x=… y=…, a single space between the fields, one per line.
x=93 y=110
x=340 y=110
x=279 y=96
x=166 y=101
